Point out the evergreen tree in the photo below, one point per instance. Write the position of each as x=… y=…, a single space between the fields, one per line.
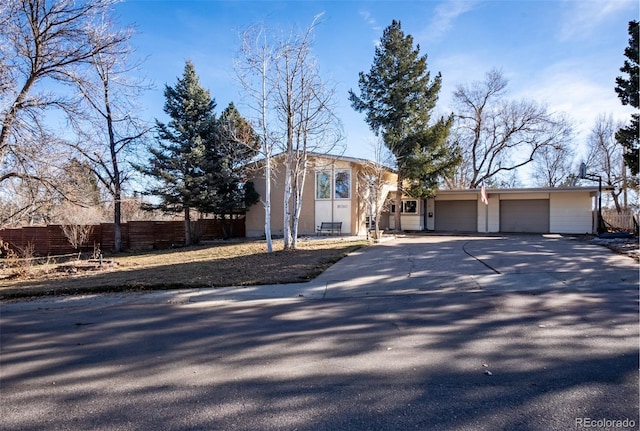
x=628 y=93
x=398 y=96
x=236 y=144
x=185 y=178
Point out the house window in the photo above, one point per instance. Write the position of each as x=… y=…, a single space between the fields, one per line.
x=343 y=185
x=323 y=185
x=410 y=206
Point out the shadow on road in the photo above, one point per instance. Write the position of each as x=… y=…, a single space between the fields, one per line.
x=437 y=361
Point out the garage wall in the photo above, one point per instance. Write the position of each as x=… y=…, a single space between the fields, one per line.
x=553 y=211
x=490 y=211
x=570 y=213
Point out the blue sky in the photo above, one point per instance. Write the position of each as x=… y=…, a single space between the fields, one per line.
x=564 y=53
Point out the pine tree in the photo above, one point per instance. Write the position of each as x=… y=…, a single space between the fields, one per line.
x=185 y=181
x=398 y=96
x=236 y=144
x=628 y=93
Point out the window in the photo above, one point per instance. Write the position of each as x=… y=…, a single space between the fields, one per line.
x=323 y=185
x=410 y=206
x=343 y=185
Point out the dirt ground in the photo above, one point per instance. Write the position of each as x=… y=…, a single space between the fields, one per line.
x=628 y=246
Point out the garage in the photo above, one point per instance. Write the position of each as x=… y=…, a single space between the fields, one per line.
x=524 y=215
x=456 y=216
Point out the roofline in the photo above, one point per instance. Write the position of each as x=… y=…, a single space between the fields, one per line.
x=590 y=189
x=335 y=157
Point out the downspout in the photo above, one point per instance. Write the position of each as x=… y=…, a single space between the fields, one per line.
x=333 y=189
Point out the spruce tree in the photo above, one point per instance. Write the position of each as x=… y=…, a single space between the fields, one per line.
x=397 y=96
x=184 y=179
x=236 y=145
x=628 y=92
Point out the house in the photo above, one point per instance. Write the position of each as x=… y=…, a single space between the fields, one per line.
x=522 y=210
x=333 y=192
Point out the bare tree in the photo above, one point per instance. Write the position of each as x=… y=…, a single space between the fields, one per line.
x=554 y=166
x=253 y=67
x=78 y=223
x=44 y=43
x=304 y=105
x=293 y=111
x=108 y=130
x=25 y=202
x=498 y=135
x=605 y=157
x=374 y=185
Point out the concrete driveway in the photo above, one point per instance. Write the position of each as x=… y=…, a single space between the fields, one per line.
x=480 y=263
x=453 y=263
x=428 y=332
x=427 y=263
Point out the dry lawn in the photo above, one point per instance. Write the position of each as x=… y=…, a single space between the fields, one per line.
x=237 y=263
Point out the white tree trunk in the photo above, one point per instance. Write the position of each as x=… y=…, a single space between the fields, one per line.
x=301 y=175
x=287 y=231
x=267 y=201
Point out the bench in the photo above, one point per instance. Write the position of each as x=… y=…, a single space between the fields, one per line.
x=330 y=227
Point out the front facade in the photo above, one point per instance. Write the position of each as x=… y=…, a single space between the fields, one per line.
x=333 y=192
x=567 y=210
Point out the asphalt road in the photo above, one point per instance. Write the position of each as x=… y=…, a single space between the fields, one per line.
x=429 y=333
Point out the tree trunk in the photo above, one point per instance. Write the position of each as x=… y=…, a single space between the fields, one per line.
x=117 y=225
x=267 y=202
x=187 y=226
x=297 y=203
x=287 y=205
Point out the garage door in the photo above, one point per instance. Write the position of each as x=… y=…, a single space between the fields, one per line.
x=526 y=215
x=456 y=216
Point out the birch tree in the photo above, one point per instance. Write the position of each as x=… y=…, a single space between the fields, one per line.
x=304 y=105
x=374 y=185
x=293 y=108
x=253 y=67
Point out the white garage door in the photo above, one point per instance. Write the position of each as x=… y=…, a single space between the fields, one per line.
x=456 y=216
x=525 y=215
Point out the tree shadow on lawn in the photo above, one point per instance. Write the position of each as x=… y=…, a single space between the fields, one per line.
x=255 y=269
x=400 y=362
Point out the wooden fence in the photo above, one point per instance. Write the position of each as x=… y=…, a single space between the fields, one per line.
x=136 y=235
x=623 y=221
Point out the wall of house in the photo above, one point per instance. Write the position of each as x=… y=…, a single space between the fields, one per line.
x=409 y=221
x=350 y=211
x=489 y=214
x=334 y=209
x=570 y=213
x=255 y=214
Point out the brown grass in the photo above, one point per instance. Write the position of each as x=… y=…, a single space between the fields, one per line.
x=237 y=263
